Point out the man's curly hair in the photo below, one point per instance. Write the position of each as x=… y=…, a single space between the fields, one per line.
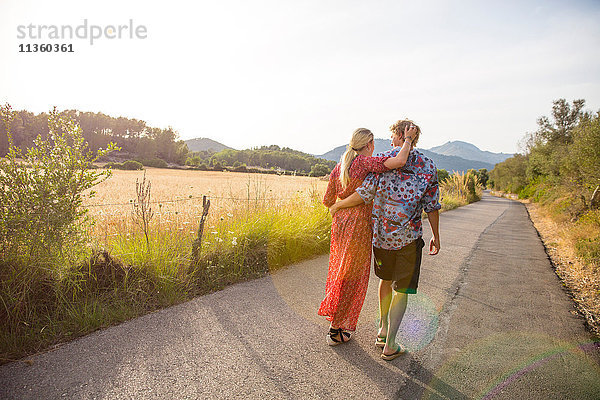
x=399 y=127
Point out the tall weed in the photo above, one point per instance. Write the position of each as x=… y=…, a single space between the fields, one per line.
x=460 y=189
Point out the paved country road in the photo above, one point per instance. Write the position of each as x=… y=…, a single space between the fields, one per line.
x=491 y=321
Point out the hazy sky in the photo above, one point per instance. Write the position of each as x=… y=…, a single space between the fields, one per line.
x=305 y=74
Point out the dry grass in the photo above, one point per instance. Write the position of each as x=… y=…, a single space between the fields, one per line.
x=581 y=277
x=460 y=189
x=177 y=197
x=171 y=184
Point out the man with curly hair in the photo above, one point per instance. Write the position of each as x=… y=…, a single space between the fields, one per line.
x=399 y=198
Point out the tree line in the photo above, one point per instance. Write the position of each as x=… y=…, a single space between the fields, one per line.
x=266 y=157
x=561 y=158
x=136 y=139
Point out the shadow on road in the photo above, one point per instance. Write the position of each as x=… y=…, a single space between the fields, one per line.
x=412 y=379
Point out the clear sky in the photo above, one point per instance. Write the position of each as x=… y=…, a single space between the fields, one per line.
x=305 y=74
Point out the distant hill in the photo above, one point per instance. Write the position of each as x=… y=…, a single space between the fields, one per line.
x=204 y=144
x=454 y=163
x=270 y=158
x=470 y=152
x=448 y=162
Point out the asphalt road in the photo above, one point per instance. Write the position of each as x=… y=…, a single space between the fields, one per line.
x=491 y=320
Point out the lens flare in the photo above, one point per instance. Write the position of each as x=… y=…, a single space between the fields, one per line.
x=420 y=323
x=509 y=363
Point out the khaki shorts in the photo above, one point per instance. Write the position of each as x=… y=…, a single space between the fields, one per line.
x=402 y=266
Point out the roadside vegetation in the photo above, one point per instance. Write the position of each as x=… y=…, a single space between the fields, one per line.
x=68 y=268
x=559 y=172
x=461 y=188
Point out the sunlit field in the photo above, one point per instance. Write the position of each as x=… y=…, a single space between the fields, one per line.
x=172 y=184
x=176 y=197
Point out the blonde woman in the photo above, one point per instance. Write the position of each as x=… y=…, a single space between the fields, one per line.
x=350 y=253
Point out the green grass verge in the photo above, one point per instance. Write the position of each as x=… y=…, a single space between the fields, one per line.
x=51 y=303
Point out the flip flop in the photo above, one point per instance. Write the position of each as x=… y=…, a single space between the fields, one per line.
x=399 y=351
x=380 y=341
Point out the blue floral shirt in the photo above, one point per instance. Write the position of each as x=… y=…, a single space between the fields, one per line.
x=399 y=196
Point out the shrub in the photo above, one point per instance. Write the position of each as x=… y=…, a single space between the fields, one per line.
x=41 y=203
x=442 y=175
x=200 y=167
x=463 y=187
x=131 y=165
x=589 y=250
x=154 y=162
x=240 y=168
x=112 y=165
x=319 y=170
x=450 y=202
x=535 y=190
x=41 y=218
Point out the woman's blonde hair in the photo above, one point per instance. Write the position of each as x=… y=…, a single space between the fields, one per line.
x=360 y=139
x=399 y=127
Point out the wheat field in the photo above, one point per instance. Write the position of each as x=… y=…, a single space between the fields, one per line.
x=176 y=196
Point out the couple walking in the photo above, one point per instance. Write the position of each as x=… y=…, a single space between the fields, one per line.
x=382 y=199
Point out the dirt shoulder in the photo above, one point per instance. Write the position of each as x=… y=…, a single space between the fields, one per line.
x=580 y=279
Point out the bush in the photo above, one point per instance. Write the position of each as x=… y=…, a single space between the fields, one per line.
x=112 y=165
x=42 y=221
x=153 y=162
x=129 y=165
x=450 y=202
x=462 y=188
x=319 y=170
x=535 y=190
x=240 y=168
x=41 y=203
x=510 y=175
x=442 y=175
x=132 y=165
x=588 y=247
x=589 y=250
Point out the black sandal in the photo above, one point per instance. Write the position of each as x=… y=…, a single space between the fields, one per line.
x=338 y=336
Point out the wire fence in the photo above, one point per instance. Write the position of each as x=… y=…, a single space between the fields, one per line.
x=209 y=197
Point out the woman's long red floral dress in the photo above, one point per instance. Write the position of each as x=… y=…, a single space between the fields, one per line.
x=350 y=253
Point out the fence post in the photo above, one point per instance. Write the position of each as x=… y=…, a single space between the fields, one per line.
x=595 y=199
x=197 y=245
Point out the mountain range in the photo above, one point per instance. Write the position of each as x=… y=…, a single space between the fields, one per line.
x=452 y=156
x=469 y=151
